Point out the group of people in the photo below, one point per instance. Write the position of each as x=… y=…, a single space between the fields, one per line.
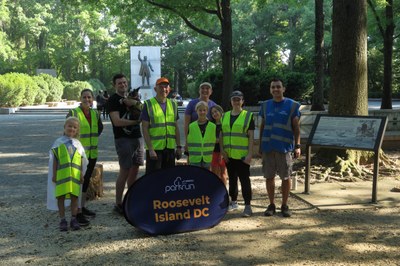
x=221 y=142
x=224 y=141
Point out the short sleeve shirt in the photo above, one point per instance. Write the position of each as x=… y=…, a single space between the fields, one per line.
x=115 y=105
x=191 y=109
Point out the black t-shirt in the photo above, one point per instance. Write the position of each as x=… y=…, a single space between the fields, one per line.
x=252 y=125
x=217 y=131
x=115 y=104
x=203 y=128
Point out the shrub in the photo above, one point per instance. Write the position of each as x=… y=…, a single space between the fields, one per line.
x=31 y=89
x=43 y=91
x=213 y=76
x=299 y=86
x=248 y=81
x=72 y=91
x=97 y=85
x=55 y=88
x=12 y=90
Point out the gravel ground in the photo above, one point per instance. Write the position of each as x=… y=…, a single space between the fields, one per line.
x=29 y=233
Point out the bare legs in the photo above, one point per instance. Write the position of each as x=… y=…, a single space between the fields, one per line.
x=270 y=184
x=126 y=176
x=61 y=207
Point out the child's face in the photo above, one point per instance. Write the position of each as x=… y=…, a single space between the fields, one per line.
x=216 y=114
x=87 y=99
x=71 y=129
x=202 y=112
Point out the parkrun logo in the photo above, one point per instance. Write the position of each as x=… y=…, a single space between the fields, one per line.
x=180 y=185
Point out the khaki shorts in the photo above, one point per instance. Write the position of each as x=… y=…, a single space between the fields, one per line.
x=277 y=163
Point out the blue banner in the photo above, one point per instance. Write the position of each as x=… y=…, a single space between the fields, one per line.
x=175 y=200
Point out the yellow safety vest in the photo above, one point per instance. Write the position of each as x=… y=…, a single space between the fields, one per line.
x=88 y=133
x=201 y=147
x=235 y=139
x=68 y=171
x=162 y=126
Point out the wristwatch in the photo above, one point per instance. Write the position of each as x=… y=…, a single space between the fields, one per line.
x=297 y=146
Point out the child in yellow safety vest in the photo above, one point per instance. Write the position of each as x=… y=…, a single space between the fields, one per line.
x=201 y=138
x=67 y=166
x=218 y=166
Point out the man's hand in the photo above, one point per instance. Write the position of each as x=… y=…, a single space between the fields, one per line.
x=153 y=155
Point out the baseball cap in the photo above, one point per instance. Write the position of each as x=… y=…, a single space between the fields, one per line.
x=162 y=80
x=205 y=84
x=236 y=94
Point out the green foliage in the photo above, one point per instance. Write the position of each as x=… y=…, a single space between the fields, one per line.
x=299 y=86
x=213 y=76
x=12 y=90
x=97 y=85
x=5 y=91
x=55 y=87
x=255 y=84
x=72 y=90
x=31 y=89
x=85 y=39
x=43 y=91
x=248 y=81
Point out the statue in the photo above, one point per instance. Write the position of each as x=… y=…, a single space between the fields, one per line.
x=145 y=68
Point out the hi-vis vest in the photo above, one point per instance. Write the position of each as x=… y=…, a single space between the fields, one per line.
x=68 y=171
x=201 y=147
x=88 y=134
x=162 y=126
x=235 y=139
x=278 y=132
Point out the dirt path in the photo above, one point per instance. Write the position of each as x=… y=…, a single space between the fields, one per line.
x=29 y=233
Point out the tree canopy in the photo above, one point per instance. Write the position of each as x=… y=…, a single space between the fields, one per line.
x=85 y=40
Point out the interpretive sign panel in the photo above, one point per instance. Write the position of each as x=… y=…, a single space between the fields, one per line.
x=348 y=132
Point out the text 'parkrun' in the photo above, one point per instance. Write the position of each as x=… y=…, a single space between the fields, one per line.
x=162 y=215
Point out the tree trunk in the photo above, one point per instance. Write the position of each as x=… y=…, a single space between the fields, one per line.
x=388 y=57
x=349 y=89
x=226 y=52
x=318 y=97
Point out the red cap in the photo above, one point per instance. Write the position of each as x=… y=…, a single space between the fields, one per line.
x=162 y=80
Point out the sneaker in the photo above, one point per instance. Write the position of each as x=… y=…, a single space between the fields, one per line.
x=88 y=212
x=63 y=225
x=119 y=209
x=74 y=224
x=285 y=211
x=233 y=206
x=271 y=210
x=81 y=219
x=247 y=212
